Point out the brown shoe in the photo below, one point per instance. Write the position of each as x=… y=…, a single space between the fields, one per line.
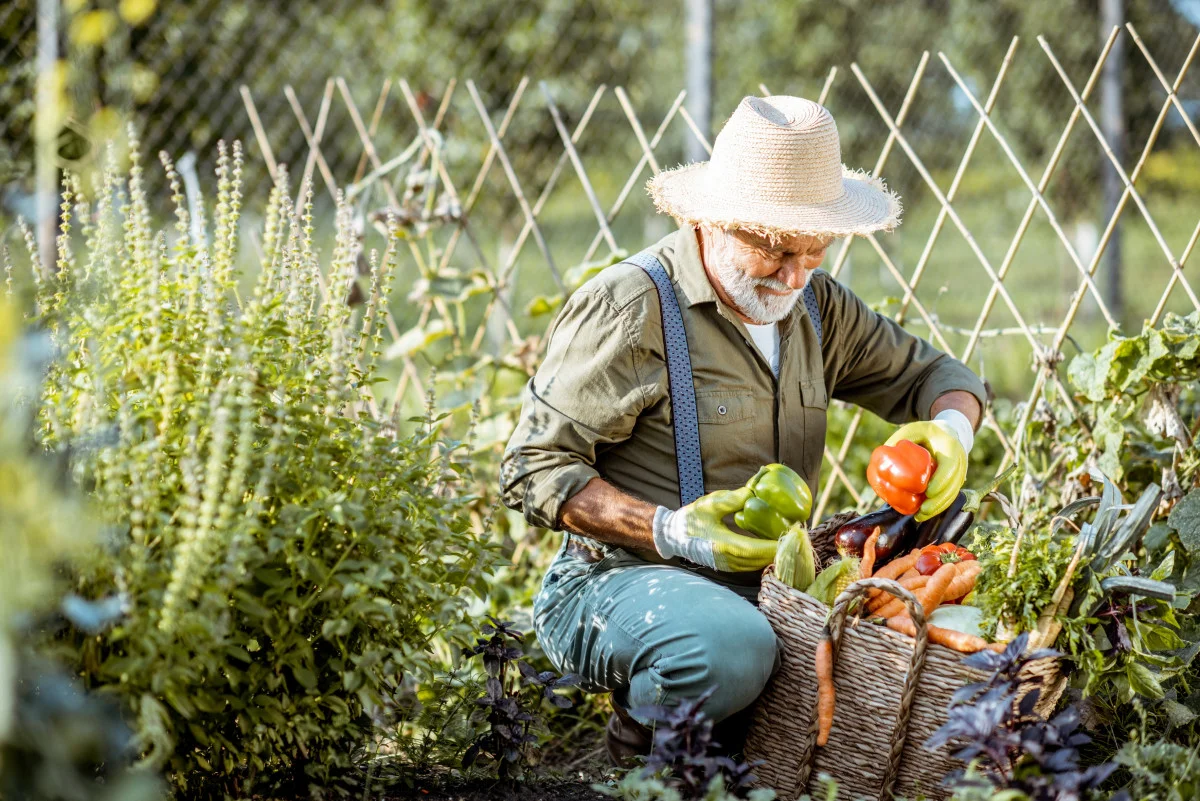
x=625 y=738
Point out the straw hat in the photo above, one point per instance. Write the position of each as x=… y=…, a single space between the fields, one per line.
x=776 y=170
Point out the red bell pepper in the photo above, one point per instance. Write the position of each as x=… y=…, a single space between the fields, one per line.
x=899 y=475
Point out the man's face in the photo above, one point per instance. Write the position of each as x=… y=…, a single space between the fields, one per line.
x=762 y=279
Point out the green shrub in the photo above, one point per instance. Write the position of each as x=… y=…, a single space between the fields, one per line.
x=1160 y=771
x=288 y=559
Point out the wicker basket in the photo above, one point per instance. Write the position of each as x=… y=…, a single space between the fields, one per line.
x=892 y=694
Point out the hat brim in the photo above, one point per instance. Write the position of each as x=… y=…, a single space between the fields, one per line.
x=866 y=206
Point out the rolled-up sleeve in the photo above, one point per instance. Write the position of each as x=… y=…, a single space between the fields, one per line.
x=876 y=364
x=586 y=396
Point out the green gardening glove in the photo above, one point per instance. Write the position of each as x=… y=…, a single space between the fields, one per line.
x=951 y=458
x=698 y=533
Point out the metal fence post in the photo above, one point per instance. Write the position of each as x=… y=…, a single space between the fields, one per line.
x=1112 y=117
x=699 y=74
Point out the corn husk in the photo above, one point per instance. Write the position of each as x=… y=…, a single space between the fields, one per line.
x=834 y=579
x=795 y=559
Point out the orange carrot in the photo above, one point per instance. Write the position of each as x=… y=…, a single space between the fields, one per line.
x=913 y=583
x=895 y=606
x=935 y=590
x=925 y=594
x=868 y=558
x=897 y=567
x=825 y=691
x=912 y=571
x=894 y=569
x=957 y=640
x=964 y=580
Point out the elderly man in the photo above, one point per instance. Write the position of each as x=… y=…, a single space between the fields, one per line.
x=670 y=379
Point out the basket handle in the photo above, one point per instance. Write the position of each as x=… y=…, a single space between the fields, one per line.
x=834 y=624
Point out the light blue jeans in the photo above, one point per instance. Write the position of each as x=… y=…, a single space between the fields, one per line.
x=653 y=634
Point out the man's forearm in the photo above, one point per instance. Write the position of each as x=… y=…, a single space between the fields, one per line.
x=605 y=513
x=960 y=401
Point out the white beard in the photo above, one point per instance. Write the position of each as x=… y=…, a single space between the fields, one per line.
x=743 y=291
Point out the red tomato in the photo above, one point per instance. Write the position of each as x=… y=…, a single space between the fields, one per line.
x=932 y=557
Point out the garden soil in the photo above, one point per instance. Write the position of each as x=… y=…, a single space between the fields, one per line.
x=541 y=790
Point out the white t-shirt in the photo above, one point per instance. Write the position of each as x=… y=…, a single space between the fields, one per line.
x=767 y=339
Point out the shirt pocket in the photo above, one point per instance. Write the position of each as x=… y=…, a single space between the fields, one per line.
x=736 y=436
x=723 y=407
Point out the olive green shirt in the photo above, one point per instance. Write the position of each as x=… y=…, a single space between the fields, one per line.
x=599 y=407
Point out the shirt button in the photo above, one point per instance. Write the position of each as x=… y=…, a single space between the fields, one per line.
x=721 y=410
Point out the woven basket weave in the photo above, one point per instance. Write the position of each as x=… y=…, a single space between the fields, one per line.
x=892 y=694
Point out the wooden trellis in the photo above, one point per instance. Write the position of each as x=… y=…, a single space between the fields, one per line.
x=426 y=154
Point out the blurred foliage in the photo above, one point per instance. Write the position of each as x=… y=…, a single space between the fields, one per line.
x=180 y=65
x=791 y=46
x=285 y=565
x=1160 y=771
x=56 y=741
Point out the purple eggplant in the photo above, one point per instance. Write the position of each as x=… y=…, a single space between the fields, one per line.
x=896 y=533
x=953 y=523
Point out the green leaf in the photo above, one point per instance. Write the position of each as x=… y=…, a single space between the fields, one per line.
x=1157 y=538
x=1143 y=355
x=352 y=680
x=581 y=273
x=418 y=338
x=307 y=679
x=1143 y=681
x=1160 y=638
x=1109 y=434
x=543 y=304
x=1185 y=519
x=1177 y=713
x=1089 y=374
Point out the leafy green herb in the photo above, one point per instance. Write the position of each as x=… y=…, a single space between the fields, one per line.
x=1017 y=601
x=289 y=557
x=1160 y=771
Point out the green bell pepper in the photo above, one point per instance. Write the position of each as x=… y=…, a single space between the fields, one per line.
x=784 y=491
x=759 y=518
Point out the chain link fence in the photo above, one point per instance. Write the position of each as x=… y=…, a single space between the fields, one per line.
x=178 y=67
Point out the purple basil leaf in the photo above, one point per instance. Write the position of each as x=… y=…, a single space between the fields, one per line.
x=1028 y=703
x=1123 y=641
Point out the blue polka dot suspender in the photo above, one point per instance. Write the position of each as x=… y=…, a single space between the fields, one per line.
x=681 y=388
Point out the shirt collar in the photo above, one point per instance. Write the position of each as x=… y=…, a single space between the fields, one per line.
x=689 y=269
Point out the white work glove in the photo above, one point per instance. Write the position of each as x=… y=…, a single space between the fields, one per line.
x=957 y=424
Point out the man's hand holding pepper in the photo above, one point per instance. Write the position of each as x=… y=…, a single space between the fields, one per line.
x=948 y=439
x=698 y=533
